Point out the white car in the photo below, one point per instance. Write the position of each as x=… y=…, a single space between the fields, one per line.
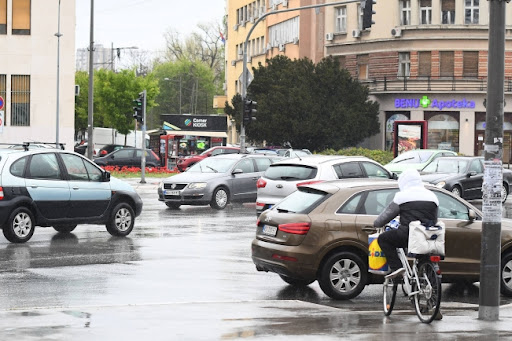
x=283 y=178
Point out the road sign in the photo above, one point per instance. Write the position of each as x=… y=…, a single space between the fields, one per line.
x=1 y=102
x=1 y=120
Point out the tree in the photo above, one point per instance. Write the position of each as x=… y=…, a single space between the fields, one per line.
x=81 y=102
x=311 y=106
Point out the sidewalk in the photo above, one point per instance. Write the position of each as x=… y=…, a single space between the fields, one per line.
x=262 y=320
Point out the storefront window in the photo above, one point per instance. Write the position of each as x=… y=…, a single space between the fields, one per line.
x=391 y=118
x=443 y=131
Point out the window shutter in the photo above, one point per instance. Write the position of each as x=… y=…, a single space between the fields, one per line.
x=424 y=63
x=446 y=59
x=470 y=64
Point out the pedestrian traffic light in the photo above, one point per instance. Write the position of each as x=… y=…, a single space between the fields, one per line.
x=249 y=111
x=368 y=12
x=139 y=108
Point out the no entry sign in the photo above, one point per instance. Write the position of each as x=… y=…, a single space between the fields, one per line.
x=1 y=102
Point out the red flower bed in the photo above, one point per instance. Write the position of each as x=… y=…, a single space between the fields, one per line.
x=132 y=170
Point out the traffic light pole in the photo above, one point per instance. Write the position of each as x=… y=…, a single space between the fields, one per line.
x=244 y=67
x=143 y=142
x=490 y=255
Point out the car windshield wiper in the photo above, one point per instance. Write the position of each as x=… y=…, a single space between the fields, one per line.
x=282 y=210
x=213 y=169
x=289 y=177
x=409 y=158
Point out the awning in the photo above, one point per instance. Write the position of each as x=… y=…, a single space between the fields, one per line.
x=197 y=133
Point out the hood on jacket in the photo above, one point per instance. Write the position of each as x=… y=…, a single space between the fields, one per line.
x=412 y=188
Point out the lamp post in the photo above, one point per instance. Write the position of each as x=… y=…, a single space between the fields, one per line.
x=90 y=126
x=118 y=53
x=57 y=119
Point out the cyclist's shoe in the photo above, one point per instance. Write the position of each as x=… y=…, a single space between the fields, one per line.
x=439 y=316
x=395 y=273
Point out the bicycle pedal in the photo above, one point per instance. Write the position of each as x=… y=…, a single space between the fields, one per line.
x=413 y=293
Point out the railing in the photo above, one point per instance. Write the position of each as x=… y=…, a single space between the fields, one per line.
x=428 y=83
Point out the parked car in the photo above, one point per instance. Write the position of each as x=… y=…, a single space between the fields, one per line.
x=188 y=161
x=320 y=232
x=129 y=157
x=417 y=159
x=215 y=181
x=463 y=176
x=293 y=152
x=283 y=178
x=52 y=187
x=109 y=148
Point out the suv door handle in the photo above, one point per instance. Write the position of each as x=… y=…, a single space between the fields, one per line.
x=75 y=188
x=369 y=229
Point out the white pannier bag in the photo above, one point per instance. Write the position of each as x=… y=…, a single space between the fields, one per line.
x=426 y=240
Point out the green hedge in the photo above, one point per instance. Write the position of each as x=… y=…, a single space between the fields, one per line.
x=381 y=156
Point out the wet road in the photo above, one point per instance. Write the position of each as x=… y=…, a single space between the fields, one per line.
x=195 y=255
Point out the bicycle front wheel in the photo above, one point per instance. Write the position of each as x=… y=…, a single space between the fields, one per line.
x=389 y=296
x=427 y=300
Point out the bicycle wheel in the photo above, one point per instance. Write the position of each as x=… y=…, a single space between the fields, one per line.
x=389 y=296
x=428 y=299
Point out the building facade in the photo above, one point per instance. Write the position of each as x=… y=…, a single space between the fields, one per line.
x=103 y=58
x=28 y=71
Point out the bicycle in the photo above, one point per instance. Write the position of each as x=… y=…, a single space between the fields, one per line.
x=421 y=283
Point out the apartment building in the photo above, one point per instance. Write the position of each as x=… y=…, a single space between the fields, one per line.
x=28 y=71
x=103 y=58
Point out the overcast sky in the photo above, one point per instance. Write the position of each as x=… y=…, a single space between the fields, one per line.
x=142 y=23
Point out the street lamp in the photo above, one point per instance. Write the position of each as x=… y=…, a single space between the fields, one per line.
x=118 y=53
x=58 y=35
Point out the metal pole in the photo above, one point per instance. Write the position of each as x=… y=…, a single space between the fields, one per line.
x=489 y=298
x=90 y=123
x=57 y=118
x=180 y=95
x=112 y=56
x=244 y=66
x=143 y=160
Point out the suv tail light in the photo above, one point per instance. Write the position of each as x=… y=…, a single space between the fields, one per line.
x=309 y=182
x=261 y=183
x=1 y=193
x=103 y=153
x=295 y=228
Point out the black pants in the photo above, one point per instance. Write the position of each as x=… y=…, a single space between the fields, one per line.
x=389 y=241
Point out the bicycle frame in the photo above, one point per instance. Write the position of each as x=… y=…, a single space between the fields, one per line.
x=411 y=273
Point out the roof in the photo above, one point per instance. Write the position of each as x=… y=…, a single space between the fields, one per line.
x=312 y=160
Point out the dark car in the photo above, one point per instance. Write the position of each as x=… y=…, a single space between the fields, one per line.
x=128 y=157
x=58 y=188
x=188 y=161
x=462 y=175
x=109 y=148
x=321 y=231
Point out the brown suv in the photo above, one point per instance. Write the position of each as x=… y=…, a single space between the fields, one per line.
x=320 y=232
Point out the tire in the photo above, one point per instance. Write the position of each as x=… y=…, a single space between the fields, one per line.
x=428 y=301
x=64 y=228
x=20 y=225
x=220 y=198
x=121 y=220
x=506 y=275
x=343 y=275
x=173 y=205
x=389 y=296
x=296 y=282
x=457 y=191
x=504 y=193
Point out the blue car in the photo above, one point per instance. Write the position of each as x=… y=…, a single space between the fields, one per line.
x=58 y=188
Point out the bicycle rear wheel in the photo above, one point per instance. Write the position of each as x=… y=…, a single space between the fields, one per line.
x=427 y=301
x=389 y=296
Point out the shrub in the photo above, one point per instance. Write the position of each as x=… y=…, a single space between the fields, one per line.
x=381 y=156
x=127 y=171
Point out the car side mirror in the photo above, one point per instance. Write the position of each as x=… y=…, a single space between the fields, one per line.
x=105 y=176
x=472 y=215
x=237 y=171
x=394 y=176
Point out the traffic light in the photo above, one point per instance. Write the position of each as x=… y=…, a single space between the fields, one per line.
x=368 y=12
x=249 y=111
x=139 y=108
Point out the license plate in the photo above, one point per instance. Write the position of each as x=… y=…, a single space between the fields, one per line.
x=269 y=230
x=166 y=192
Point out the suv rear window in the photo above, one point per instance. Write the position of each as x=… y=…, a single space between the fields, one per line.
x=290 y=172
x=304 y=200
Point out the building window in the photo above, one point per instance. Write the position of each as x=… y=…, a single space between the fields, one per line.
x=20 y=100
x=425 y=12
x=21 y=17
x=443 y=130
x=470 y=64
x=448 y=12
x=405 y=12
x=471 y=11
x=341 y=60
x=3 y=93
x=3 y=16
x=359 y=17
x=446 y=63
x=362 y=66
x=390 y=126
x=404 y=64
x=341 y=19
x=424 y=63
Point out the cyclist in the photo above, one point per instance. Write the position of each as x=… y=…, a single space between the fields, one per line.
x=413 y=202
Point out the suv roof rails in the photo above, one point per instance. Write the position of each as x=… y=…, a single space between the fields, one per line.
x=27 y=144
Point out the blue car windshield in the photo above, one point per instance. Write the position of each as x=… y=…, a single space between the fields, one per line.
x=213 y=165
